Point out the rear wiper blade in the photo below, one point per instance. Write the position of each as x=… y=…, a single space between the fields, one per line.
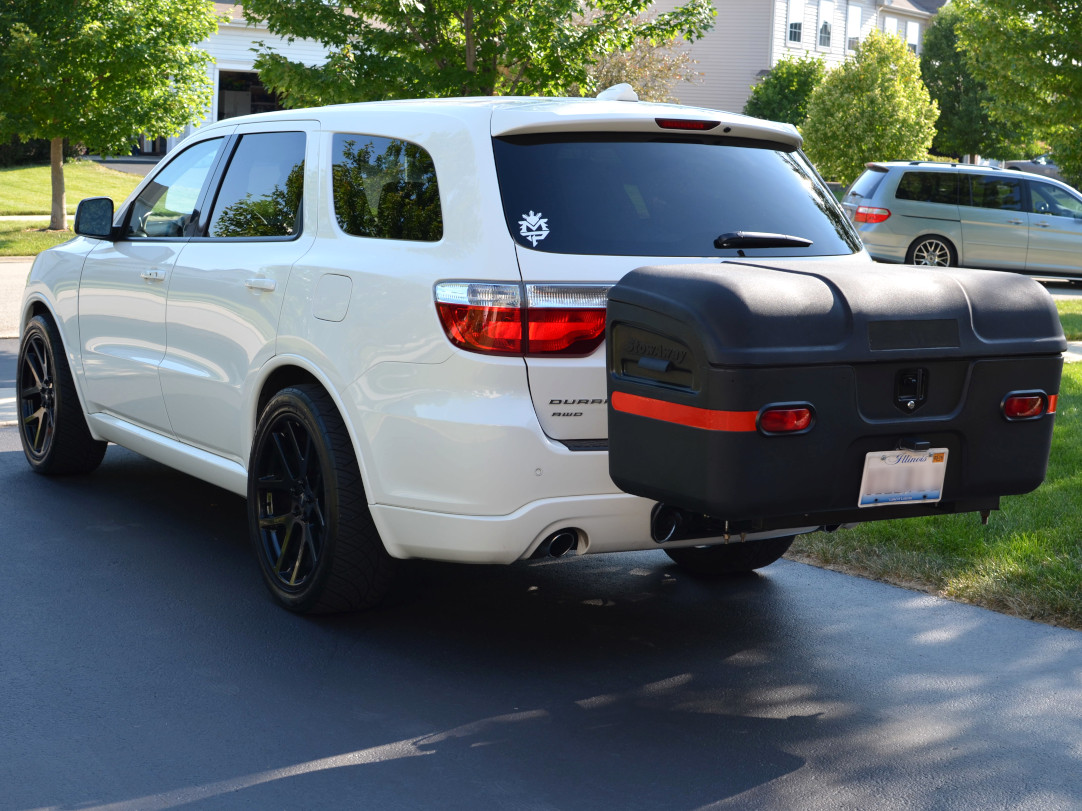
x=759 y=239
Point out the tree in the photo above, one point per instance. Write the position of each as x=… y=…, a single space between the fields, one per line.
x=386 y=49
x=100 y=72
x=964 y=126
x=1029 y=54
x=652 y=68
x=784 y=93
x=871 y=108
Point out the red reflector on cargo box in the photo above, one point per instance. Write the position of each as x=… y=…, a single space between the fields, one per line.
x=1025 y=405
x=692 y=417
x=789 y=419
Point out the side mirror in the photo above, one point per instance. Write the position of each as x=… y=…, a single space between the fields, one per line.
x=94 y=218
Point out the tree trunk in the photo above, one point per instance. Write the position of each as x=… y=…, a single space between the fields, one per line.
x=59 y=217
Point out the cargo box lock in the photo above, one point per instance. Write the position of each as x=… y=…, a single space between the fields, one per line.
x=910 y=389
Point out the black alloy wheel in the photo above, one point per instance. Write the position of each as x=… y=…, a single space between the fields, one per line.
x=52 y=426
x=308 y=516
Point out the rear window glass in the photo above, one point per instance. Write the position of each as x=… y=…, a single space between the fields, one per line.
x=651 y=196
x=385 y=188
x=929 y=187
x=867 y=183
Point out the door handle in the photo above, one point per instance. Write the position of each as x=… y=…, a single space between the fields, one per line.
x=1014 y=222
x=1044 y=225
x=153 y=275
x=261 y=284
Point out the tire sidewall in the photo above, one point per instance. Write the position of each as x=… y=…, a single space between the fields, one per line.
x=296 y=403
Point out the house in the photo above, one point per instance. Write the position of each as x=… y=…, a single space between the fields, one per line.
x=237 y=89
x=751 y=36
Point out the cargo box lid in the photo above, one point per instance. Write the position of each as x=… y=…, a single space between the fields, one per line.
x=748 y=313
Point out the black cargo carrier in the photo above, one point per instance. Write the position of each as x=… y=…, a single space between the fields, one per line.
x=755 y=396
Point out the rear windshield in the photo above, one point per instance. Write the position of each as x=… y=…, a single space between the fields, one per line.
x=865 y=185
x=649 y=196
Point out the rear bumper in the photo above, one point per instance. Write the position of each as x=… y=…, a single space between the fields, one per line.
x=605 y=523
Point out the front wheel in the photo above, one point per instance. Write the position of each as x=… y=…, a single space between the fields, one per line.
x=730 y=558
x=932 y=251
x=52 y=426
x=308 y=517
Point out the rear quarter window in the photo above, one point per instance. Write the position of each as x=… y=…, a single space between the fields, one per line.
x=385 y=188
x=867 y=184
x=928 y=187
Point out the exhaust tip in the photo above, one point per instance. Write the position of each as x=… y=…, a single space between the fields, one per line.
x=558 y=544
x=665 y=522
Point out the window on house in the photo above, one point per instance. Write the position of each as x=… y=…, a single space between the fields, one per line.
x=796 y=20
x=890 y=26
x=912 y=35
x=826 y=18
x=852 y=26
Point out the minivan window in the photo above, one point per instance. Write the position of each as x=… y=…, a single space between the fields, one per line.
x=261 y=193
x=385 y=188
x=1004 y=193
x=647 y=195
x=1048 y=199
x=865 y=185
x=929 y=187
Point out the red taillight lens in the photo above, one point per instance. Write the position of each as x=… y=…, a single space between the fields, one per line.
x=491 y=318
x=787 y=419
x=685 y=124
x=871 y=214
x=1025 y=405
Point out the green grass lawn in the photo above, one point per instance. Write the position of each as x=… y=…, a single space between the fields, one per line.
x=28 y=189
x=1070 y=315
x=1027 y=561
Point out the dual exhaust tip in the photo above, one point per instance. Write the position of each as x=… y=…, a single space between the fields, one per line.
x=558 y=544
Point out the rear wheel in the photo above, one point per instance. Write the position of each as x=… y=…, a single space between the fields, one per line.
x=730 y=558
x=52 y=426
x=308 y=517
x=933 y=251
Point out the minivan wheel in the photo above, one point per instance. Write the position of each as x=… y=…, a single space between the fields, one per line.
x=52 y=426
x=308 y=517
x=932 y=251
x=730 y=558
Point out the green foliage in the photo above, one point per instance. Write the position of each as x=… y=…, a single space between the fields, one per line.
x=387 y=49
x=1029 y=54
x=784 y=93
x=652 y=68
x=272 y=215
x=871 y=108
x=101 y=71
x=965 y=126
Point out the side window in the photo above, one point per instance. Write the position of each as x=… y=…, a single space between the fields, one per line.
x=1048 y=199
x=263 y=187
x=385 y=188
x=929 y=187
x=165 y=207
x=996 y=192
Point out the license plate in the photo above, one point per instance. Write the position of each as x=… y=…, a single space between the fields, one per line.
x=903 y=477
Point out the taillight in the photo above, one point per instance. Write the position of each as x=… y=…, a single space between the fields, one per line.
x=785 y=419
x=1026 y=405
x=549 y=319
x=686 y=124
x=871 y=214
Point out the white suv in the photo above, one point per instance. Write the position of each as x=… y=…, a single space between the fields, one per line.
x=383 y=323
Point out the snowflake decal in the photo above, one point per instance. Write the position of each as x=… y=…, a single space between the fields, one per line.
x=534 y=227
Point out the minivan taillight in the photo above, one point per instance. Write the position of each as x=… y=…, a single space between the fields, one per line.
x=871 y=214
x=507 y=319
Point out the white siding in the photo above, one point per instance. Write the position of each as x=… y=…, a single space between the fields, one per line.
x=730 y=57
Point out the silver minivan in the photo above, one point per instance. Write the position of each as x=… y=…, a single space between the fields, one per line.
x=927 y=213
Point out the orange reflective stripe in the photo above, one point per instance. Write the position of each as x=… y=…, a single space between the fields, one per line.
x=690 y=416
x=1052 y=399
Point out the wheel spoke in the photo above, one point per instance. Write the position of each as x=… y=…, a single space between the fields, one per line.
x=300 y=556
x=282 y=458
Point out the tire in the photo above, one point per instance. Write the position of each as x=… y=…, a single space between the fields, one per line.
x=52 y=426
x=308 y=517
x=730 y=558
x=932 y=251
